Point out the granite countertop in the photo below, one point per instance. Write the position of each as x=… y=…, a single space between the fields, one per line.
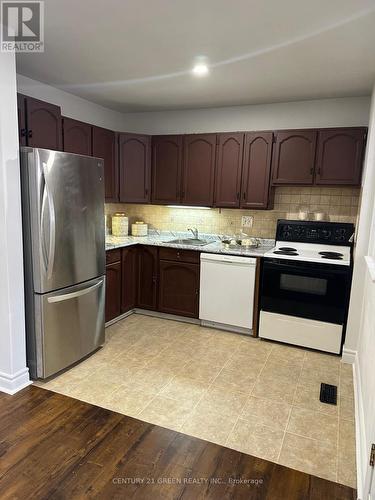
x=162 y=240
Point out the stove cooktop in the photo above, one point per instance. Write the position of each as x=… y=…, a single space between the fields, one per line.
x=311 y=252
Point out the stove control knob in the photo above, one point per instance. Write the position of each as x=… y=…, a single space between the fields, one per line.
x=326 y=234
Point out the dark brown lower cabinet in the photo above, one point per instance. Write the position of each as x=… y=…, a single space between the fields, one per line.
x=113 y=291
x=129 y=274
x=147 y=277
x=179 y=288
x=165 y=280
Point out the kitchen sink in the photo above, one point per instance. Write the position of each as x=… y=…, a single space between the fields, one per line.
x=190 y=241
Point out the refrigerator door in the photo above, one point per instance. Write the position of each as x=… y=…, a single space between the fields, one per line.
x=65 y=217
x=69 y=324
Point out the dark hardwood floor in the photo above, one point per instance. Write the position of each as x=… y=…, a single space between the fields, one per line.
x=55 y=447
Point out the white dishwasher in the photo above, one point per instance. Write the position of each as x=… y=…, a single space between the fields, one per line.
x=227 y=292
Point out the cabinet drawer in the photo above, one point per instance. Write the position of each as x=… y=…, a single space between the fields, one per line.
x=179 y=255
x=113 y=256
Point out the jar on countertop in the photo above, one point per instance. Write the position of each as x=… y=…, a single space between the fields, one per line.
x=120 y=224
x=139 y=228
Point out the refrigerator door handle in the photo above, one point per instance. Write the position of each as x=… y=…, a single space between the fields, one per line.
x=47 y=197
x=73 y=295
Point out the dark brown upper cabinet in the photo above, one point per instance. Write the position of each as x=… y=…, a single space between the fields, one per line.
x=43 y=121
x=339 y=156
x=104 y=144
x=166 y=169
x=294 y=157
x=77 y=137
x=228 y=170
x=147 y=277
x=256 y=172
x=21 y=113
x=135 y=168
x=128 y=278
x=199 y=169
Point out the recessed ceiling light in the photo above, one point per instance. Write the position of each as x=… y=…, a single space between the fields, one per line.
x=200 y=69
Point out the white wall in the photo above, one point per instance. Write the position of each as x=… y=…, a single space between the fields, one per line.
x=346 y=112
x=360 y=341
x=13 y=372
x=362 y=240
x=71 y=105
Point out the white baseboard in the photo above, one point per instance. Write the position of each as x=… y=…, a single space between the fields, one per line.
x=227 y=328
x=119 y=318
x=174 y=317
x=348 y=356
x=10 y=384
x=155 y=314
x=360 y=435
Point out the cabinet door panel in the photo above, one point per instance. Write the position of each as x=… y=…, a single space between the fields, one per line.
x=129 y=279
x=294 y=157
x=179 y=288
x=257 y=170
x=228 y=170
x=147 y=277
x=135 y=168
x=113 y=291
x=43 y=122
x=21 y=112
x=166 y=169
x=104 y=146
x=340 y=156
x=77 y=137
x=199 y=169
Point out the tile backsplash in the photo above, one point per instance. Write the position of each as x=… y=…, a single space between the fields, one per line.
x=339 y=203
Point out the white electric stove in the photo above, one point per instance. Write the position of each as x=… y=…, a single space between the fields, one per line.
x=305 y=285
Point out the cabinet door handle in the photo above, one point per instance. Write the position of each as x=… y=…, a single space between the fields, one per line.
x=238 y=196
x=30 y=133
x=311 y=170
x=146 y=191
x=244 y=196
x=23 y=132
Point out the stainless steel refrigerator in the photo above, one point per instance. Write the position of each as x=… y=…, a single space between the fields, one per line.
x=64 y=253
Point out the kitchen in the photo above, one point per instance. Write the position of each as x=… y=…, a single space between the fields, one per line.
x=200 y=272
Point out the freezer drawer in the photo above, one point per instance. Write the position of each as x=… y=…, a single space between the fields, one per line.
x=69 y=324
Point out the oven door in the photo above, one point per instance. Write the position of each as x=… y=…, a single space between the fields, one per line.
x=306 y=290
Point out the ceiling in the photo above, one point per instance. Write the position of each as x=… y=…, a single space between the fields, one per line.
x=137 y=55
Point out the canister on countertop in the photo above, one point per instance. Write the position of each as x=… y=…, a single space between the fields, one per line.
x=120 y=224
x=321 y=216
x=139 y=228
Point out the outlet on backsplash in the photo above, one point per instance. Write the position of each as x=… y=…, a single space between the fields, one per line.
x=247 y=221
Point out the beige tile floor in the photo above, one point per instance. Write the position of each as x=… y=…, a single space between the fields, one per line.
x=257 y=397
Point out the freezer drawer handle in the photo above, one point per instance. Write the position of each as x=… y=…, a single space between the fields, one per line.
x=73 y=295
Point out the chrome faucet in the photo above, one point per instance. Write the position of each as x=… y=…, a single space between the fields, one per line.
x=194 y=230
